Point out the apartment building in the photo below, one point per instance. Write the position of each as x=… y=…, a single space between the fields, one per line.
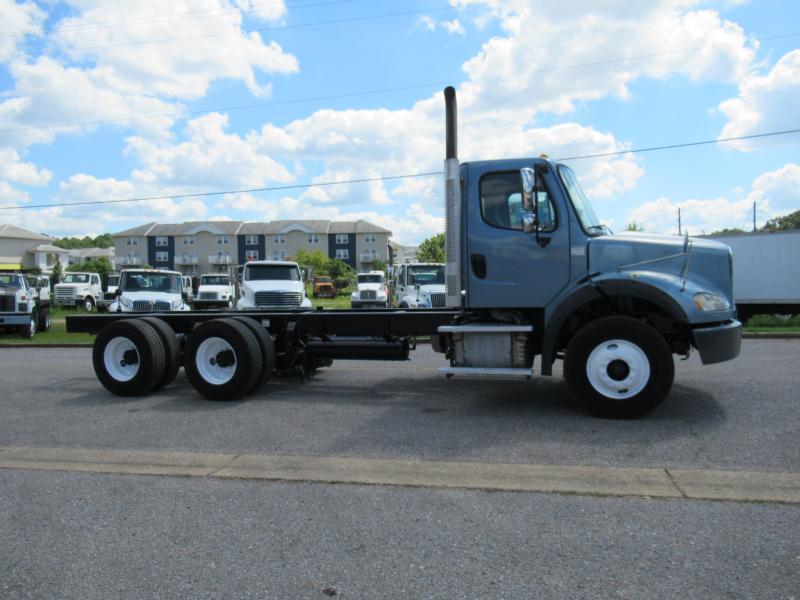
x=24 y=248
x=215 y=246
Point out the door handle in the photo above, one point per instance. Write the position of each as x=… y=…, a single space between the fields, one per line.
x=478 y=265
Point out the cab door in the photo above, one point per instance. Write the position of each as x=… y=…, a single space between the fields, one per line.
x=507 y=267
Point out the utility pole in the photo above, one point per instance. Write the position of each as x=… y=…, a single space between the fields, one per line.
x=754 y=217
x=679 y=220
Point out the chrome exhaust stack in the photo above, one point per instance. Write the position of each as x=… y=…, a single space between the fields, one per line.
x=452 y=204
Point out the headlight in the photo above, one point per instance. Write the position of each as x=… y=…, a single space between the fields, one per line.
x=709 y=302
x=126 y=302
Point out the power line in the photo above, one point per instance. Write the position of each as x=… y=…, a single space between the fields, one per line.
x=377 y=91
x=684 y=145
x=384 y=178
x=198 y=14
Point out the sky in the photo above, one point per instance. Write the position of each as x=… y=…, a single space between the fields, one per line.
x=189 y=102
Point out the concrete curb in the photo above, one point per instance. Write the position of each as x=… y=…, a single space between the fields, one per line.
x=769 y=335
x=643 y=482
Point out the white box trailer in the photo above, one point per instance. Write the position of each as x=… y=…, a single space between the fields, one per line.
x=766 y=271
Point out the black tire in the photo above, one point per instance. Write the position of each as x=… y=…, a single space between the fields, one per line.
x=87 y=305
x=619 y=367
x=267 y=349
x=216 y=341
x=29 y=330
x=172 y=350
x=140 y=352
x=45 y=319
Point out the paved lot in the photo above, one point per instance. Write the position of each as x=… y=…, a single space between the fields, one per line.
x=89 y=535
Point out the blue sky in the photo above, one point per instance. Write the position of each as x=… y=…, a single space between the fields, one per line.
x=103 y=100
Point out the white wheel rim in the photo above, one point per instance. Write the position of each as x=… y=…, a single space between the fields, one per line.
x=618 y=369
x=206 y=360
x=32 y=326
x=115 y=360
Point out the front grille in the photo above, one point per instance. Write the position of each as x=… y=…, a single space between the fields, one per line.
x=208 y=295
x=437 y=299
x=7 y=302
x=279 y=299
x=369 y=294
x=66 y=293
x=150 y=306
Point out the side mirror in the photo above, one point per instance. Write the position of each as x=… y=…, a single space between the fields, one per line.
x=118 y=292
x=528 y=176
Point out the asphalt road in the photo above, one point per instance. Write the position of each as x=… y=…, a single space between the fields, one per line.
x=87 y=535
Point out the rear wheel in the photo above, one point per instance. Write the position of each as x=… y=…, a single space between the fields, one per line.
x=619 y=367
x=128 y=357
x=45 y=319
x=172 y=350
x=222 y=359
x=267 y=349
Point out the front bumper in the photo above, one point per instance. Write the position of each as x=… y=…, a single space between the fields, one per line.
x=14 y=319
x=719 y=343
x=209 y=303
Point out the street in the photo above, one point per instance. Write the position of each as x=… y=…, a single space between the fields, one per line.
x=103 y=531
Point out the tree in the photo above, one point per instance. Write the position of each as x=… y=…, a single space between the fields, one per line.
x=313 y=259
x=104 y=240
x=432 y=249
x=342 y=273
x=58 y=271
x=101 y=265
x=634 y=226
x=378 y=265
x=786 y=222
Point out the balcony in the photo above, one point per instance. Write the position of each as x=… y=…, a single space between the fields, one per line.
x=187 y=260
x=220 y=260
x=129 y=260
x=368 y=257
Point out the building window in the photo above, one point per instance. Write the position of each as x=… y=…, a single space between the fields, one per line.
x=162 y=256
x=313 y=239
x=222 y=240
x=188 y=241
x=251 y=240
x=162 y=241
x=251 y=255
x=369 y=238
x=280 y=239
x=342 y=253
x=279 y=255
x=342 y=238
x=131 y=241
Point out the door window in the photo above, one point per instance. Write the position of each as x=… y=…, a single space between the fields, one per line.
x=501 y=202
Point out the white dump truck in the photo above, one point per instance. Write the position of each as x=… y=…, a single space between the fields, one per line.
x=272 y=284
x=150 y=290
x=216 y=290
x=78 y=290
x=24 y=307
x=371 y=291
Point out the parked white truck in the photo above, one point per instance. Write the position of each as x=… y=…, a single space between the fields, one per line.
x=23 y=307
x=272 y=284
x=150 y=290
x=78 y=290
x=766 y=272
x=419 y=285
x=371 y=291
x=217 y=290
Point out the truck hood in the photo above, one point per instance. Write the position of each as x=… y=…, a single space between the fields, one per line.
x=372 y=287
x=151 y=295
x=220 y=289
x=271 y=285
x=71 y=286
x=709 y=262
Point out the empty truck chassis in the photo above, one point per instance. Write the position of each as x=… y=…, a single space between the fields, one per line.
x=529 y=271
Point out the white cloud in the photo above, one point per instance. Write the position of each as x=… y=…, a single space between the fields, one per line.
x=775 y=193
x=765 y=103
x=26 y=173
x=454 y=27
x=20 y=19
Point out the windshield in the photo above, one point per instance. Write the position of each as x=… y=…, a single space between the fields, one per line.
x=583 y=207
x=11 y=281
x=426 y=275
x=271 y=272
x=215 y=280
x=76 y=278
x=369 y=279
x=113 y=280
x=167 y=283
x=323 y=279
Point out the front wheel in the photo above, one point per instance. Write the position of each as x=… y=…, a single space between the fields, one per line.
x=29 y=330
x=619 y=367
x=88 y=304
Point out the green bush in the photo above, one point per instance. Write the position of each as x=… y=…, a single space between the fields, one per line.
x=773 y=321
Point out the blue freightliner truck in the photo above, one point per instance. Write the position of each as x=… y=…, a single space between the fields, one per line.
x=530 y=272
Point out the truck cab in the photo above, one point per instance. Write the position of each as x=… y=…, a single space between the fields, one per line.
x=272 y=284
x=419 y=285
x=216 y=290
x=149 y=290
x=78 y=290
x=371 y=290
x=24 y=304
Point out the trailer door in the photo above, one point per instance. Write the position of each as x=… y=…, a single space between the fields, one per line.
x=507 y=267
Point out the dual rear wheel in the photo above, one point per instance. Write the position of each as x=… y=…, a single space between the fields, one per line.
x=224 y=359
